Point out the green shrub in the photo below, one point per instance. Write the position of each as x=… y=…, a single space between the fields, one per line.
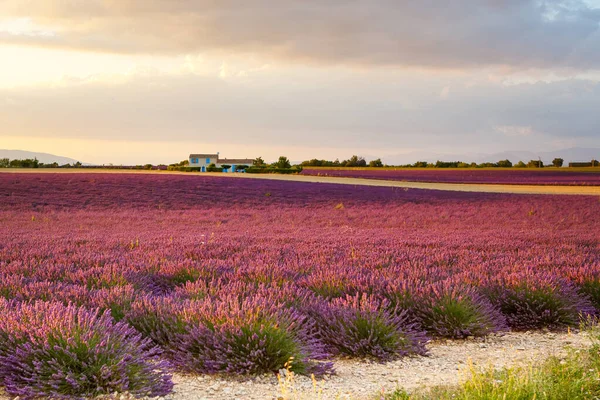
x=272 y=170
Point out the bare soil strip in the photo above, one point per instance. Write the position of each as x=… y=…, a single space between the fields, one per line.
x=456 y=187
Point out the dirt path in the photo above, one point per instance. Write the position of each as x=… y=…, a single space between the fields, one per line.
x=460 y=187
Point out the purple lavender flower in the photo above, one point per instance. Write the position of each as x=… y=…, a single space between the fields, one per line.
x=52 y=350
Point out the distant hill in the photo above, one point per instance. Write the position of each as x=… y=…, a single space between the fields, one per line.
x=42 y=157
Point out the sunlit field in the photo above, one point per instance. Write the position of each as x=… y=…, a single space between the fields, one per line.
x=112 y=282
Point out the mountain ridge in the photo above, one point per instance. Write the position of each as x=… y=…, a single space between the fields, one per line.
x=45 y=158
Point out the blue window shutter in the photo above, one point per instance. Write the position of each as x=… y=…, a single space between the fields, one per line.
x=208 y=160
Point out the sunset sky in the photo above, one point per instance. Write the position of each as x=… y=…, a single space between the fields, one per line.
x=135 y=81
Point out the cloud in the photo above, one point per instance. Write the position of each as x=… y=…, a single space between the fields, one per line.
x=354 y=111
x=459 y=34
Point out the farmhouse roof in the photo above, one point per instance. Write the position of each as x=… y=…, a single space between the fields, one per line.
x=236 y=161
x=204 y=155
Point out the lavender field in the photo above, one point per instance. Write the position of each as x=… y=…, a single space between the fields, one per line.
x=548 y=176
x=112 y=282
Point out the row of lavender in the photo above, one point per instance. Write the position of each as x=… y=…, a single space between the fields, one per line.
x=112 y=282
x=489 y=176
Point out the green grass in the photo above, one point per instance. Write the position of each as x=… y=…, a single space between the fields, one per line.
x=574 y=377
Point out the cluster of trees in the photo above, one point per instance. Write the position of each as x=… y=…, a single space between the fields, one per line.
x=183 y=163
x=354 y=161
x=357 y=161
x=281 y=166
x=33 y=163
x=282 y=162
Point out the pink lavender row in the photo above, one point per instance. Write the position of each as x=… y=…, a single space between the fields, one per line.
x=511 y=177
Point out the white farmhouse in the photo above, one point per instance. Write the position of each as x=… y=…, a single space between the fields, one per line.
x=204 y=160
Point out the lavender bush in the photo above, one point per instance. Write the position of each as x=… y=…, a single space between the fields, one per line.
x=361 y=326
x=246 y=336
x=456 y=311
x=158 y=318
x=535 y=302
x=57 y=351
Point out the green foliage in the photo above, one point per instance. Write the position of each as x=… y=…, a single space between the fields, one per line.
x=25 y=163
x=184 y=275
x=183 y=163
x=354 y=161
x=535 y=164
x=376 y=163
x=282 y=163
x=558 y=162
x=272 y=170
x=457 y=314
x=445 y=164
x=520 y=164
x=212 y=167
x=504 y=164
x=259 y=162
x=591 y=288
x=420 y=164
x=266 y=346
x=183 y=169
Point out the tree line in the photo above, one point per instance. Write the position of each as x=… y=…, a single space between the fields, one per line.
x=33 y=163
x=357 y=161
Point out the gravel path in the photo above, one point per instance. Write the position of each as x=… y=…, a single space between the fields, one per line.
x=458 y=187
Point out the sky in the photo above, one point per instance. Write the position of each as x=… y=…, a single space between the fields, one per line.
x=131 y=81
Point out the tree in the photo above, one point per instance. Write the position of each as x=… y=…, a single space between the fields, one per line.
x=520 y=164
x=376 y=163
x=420 y=164
x=225 y=166
x=558 y=162
x=505 y=164
x=26 y=163
x=183 y=163
x=354 y=161
x=4 y=162
x=259 y=162
x=283 y=162
x=535 y=164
